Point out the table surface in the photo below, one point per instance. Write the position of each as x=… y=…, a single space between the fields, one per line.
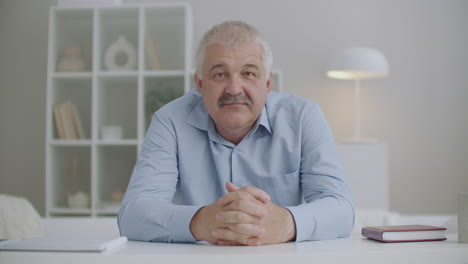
x=347 y=250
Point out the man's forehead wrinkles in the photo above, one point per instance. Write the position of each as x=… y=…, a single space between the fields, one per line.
x=251 y=65
x=218 y=65
x=243 y=66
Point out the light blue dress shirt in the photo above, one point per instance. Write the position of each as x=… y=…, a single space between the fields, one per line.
x=184 y=165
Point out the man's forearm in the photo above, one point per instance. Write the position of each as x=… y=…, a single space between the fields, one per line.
x=325 y=218
x=148 y=219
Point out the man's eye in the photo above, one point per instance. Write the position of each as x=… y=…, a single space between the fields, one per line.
x=250 y=75
x=219 y=75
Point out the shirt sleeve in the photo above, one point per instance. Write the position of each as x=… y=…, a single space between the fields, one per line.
x=328 y=211
x=147 y=212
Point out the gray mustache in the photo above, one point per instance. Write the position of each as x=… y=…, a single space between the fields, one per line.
x=234 y=99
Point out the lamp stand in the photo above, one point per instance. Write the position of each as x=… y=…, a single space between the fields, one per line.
x=357 y=118
x=357 y=109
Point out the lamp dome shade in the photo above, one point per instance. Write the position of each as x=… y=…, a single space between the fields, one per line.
x=358 y=63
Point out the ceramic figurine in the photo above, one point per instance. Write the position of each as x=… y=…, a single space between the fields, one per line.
x=71 y=59
x=117 y=195
x=78 y=200
x=111 y=132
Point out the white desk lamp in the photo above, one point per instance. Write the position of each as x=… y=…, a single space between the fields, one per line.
x=358 y=64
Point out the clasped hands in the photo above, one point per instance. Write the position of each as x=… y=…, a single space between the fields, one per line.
x=244 y=216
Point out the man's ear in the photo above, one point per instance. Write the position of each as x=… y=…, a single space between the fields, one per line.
x=269 y=82
x=198 y=81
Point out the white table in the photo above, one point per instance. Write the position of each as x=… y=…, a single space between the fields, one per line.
x=347 y=250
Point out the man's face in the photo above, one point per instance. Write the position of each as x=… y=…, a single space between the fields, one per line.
x=234 y=86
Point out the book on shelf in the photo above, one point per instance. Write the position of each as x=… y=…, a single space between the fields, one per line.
x=58 y=122
x=63 y=244
x=77 y=121
x=68 y=121
x=153 y=55
x=404 y=233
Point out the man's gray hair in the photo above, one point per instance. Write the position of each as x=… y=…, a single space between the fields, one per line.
x=233 y=34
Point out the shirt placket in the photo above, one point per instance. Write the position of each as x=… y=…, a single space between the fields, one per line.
x=235 y=177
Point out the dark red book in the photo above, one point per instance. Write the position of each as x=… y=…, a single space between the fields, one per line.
x=404 y=233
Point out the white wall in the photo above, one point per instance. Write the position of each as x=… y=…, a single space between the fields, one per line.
x=419 y=109
x=23 y=60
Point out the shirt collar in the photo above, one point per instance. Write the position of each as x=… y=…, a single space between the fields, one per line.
x=199 y=116
x=262 y=121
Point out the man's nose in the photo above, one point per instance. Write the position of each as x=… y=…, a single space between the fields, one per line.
x=234 y=85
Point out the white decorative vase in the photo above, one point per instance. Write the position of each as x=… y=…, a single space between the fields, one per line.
x=111 y=132
x=121 y=47
x=78 y=200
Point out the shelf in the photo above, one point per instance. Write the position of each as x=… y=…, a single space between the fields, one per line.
x=72 y=75
x=70 y=211
x=164 y=73
x=64 y=142
x=120 y=74
x=107 y=211
x=87 y=142
x=108 y=207
x=122 y=142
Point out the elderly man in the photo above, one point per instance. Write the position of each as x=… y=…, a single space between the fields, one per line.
x=232 y=163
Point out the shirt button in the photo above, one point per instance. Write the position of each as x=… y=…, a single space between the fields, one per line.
x=235 y=151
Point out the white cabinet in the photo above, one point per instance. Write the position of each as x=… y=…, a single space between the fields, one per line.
x=366 y=169
x=107 y=85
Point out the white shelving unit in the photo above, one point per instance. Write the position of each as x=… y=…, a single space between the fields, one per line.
x=277 y=80
x=100 y=168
